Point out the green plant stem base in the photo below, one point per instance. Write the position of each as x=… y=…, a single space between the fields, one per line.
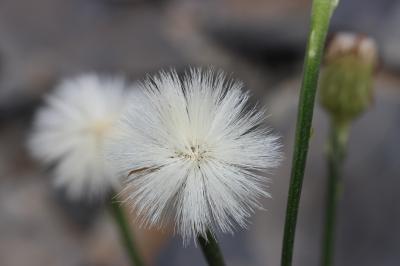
x=335 y=156
x=211 y=250
x=320 y=17
x=126 y=233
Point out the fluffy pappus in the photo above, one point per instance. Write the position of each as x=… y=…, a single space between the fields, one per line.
x=70 y=129
x=196 y=153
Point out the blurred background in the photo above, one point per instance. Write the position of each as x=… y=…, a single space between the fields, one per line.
x=261 y=42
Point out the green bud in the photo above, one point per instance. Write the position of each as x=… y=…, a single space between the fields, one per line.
x=347 y=76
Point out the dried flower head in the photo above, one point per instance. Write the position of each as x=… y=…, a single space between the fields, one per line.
x=346 y=84
x=194 y=151
x=69 y=131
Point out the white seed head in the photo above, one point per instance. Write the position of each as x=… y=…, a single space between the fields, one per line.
x=69 y=132
x=194 y=151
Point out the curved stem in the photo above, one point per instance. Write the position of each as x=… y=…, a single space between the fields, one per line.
x=320 y=18
x=125 y=233
x=211 y=250
x=335 y=156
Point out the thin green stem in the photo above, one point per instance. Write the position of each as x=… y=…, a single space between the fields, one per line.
x=336 y=152
x=125 y=233
x=320 y=18
x=211 y=250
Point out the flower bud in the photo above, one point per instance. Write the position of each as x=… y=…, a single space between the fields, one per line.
x=347 y=77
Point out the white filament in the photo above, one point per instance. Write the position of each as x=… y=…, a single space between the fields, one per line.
x=194 y=152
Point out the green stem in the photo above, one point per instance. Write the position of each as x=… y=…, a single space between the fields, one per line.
x=211 y=250
x=335 y=156
x=320 y=18
x=125 y=232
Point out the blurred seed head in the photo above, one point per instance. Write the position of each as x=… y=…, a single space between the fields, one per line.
x=70 y=129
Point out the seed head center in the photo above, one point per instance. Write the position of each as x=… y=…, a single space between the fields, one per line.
x=100 y=128
x=194 y=153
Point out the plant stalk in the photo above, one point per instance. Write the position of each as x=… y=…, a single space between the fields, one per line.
x=211 y=250
x=125 y=232
x=335 y=156
x=320 y=17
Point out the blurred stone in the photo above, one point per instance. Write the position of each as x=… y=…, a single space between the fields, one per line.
x=273 y=33
x=45 y=40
